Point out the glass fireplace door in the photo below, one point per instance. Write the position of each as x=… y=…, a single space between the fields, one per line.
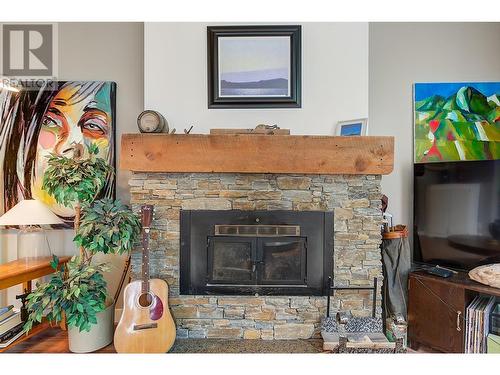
x=282 y=260
x=231 y=260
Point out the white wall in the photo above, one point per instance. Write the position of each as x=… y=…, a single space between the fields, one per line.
x=404 y=53
x=334 y=79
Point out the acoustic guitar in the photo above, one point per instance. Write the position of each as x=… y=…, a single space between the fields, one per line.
x=146 y=325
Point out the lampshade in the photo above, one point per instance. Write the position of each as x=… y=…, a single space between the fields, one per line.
x=30 y=212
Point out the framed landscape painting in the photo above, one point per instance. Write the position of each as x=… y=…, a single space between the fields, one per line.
x=457 y=121
x=352 y=127
x=254 y=66
x=61 y=118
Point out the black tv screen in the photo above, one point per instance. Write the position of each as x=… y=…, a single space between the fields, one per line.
x=457 y=213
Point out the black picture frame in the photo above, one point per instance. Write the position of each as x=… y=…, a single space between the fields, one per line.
x=291 y=101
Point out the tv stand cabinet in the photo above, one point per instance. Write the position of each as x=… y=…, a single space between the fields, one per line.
x=436 y=310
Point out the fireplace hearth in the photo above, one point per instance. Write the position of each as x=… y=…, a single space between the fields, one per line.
x=233 y=252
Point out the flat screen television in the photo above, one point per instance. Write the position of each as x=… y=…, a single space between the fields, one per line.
x=457 y=213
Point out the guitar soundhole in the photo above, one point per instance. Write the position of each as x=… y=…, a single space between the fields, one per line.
x=145 y=300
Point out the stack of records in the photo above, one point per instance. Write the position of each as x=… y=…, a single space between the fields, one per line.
x=477 y=324
x=11 y=326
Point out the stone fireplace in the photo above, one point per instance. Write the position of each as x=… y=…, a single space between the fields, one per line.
x=239 y=302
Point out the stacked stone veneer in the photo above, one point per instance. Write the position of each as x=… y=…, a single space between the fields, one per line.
x=355 y=201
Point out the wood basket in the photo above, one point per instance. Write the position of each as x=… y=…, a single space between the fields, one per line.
x=397 y=231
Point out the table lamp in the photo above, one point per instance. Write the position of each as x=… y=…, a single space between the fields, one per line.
x=29 y=215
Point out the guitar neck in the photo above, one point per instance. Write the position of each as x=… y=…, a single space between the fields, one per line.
x=145 y=260
x=147 y=218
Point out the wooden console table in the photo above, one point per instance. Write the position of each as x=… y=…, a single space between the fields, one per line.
x=437 y=308
x=23 y=271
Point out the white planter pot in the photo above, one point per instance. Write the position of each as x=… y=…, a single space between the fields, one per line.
x=99 y=336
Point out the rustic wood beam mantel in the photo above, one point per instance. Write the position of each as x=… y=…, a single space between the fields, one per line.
x=305 y=154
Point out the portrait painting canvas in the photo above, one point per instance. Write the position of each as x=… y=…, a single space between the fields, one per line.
x=254 y=66
x=456 y=121
x=62 y=119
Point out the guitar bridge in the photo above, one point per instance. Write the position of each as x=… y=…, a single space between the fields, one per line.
x=139 y=327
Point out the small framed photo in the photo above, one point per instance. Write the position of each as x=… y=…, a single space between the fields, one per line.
x=254 y=66
x=352 y=127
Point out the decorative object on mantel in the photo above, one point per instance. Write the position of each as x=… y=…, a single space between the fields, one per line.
x=259 y=129
x=352 y=127
x=254 y=66
x=488 y=275
x=150 y=121
x=187 y=131
x=257 y=154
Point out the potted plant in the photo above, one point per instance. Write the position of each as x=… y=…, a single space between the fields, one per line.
x=78 y=290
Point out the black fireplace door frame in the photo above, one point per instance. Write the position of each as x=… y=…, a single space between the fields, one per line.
x=197 y=229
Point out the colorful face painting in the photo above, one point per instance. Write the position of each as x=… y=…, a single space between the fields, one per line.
x=64 y=120
x=457 y=121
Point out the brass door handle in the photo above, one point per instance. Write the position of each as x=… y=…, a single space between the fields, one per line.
x=458 y=320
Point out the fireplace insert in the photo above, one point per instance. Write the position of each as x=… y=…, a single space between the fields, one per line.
x=256 y=252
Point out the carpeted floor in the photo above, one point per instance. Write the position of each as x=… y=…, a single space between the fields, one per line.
x=246 y=346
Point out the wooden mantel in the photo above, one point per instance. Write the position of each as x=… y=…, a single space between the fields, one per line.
x=257 y=154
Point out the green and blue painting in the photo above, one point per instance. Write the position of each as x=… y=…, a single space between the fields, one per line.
x=457 y=121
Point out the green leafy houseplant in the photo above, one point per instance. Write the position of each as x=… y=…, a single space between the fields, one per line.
x=107 y=226
x=73 y=181
x=78 y=290
x=76 y=181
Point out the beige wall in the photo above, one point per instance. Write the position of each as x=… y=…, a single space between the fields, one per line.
x=97 y=51
x=108 y=52
x=404 y=53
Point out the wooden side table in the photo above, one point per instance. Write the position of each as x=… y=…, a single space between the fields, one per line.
x=23 y=271
x=437 y=309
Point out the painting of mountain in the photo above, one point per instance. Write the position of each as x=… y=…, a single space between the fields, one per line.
x=254 y=66
x=457 y=121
